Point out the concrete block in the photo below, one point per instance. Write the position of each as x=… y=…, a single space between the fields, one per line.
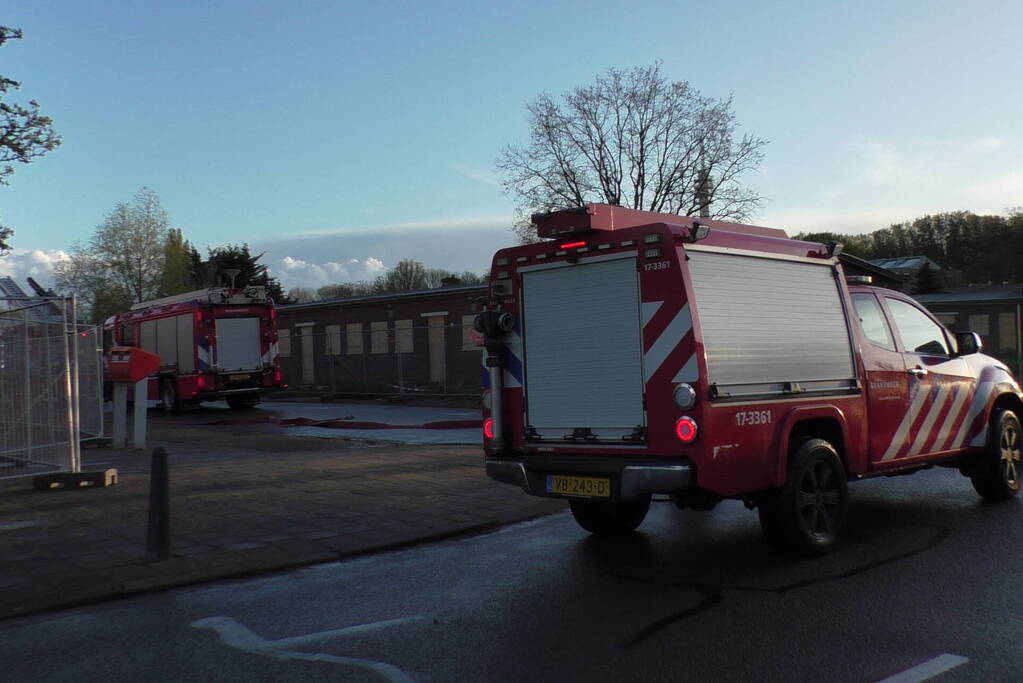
x=74 y=480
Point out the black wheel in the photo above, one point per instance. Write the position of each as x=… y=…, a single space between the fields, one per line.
x=808 y=513
x=237 y=403
x=610 y=518
x=996 y=473
x=168 y=396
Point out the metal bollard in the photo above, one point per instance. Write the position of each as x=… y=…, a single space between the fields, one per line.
x=158 y=534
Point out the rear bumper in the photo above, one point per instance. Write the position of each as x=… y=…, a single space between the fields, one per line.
x=629 y=479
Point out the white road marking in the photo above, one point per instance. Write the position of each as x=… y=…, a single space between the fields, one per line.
x=237 y=635
x=927 y=670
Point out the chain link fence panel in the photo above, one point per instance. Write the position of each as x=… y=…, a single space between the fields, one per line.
x=51 y=381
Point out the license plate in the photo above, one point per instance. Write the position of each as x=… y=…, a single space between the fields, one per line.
x=583 y=487
x=235 y=378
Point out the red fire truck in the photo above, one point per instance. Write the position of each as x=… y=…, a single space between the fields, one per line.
x=213 y=344
x=637 y=353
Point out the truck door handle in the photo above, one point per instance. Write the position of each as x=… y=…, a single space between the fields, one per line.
x=917 y=372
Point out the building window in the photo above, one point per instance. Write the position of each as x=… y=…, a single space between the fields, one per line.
x=947 y=319
x=469 y=335
x=378 y=337
x=980 y=324
x=333 y=340
x=353 y=331
x=1007 y=332
x=284 y=343
x=403 y=334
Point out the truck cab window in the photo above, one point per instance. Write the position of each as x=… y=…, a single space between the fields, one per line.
x=872 y=320
x=919 y=333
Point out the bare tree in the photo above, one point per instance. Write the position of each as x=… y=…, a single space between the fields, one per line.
x=301 y=295
x=406 y=276
x=632 y=139
x=123 y=262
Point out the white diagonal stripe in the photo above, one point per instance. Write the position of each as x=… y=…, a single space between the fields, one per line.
x=927 y=670
x=689 y=372
x=649 y=309
x=962 y=395
x=666 y=343
x=980 y=399
x=941 y=393
x=907 y=422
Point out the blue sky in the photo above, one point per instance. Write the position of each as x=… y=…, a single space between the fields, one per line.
x=341 y=137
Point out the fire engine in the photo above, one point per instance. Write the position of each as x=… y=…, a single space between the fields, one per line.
x=636 y=353
x=215 y=343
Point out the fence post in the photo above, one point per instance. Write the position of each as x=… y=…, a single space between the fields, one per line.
x=28 y=391
x=158 y=532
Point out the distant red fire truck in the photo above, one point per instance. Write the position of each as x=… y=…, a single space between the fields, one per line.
x=637 y=353
x=215 y=343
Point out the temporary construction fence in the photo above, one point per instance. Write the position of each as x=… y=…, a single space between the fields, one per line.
x=51 y=386
x=387 y=357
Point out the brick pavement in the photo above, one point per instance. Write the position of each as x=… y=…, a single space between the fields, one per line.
x=241 y=503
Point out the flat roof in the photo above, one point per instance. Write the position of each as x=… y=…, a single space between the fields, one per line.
x=976 y=294
x=389 y=296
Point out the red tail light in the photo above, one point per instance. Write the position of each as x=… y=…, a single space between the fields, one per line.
x=273 y=314
x=685 y=429
x=201 y=382
x=488 y=428
x=198 y=317
x=278 y=376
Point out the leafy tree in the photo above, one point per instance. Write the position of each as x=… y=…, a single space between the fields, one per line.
x=213 y=271
x=927 y=280
x=176 y=276
x=123 y=261
x=632 y=138
x=25 y=134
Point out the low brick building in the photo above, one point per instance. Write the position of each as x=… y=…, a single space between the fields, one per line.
x=992 y=311
x=417 y=341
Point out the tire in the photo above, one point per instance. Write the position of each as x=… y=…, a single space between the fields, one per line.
x=242 y=403
x=169 y=397
x=807 y=515
x=996 y=473
x=610 y=518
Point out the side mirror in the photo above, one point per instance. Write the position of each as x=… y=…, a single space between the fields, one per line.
x=968 y=343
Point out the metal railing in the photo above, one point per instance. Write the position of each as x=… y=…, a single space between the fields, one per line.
x=415 y=359
x=51 y=383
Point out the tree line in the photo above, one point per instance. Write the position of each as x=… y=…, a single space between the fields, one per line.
x=134 y=256
x=976 y=249
x=406 y=276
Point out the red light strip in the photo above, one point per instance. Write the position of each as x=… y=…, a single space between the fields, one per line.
x=572 y=244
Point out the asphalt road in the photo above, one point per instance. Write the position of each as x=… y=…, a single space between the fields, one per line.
x=928 y=576
x=257 y=420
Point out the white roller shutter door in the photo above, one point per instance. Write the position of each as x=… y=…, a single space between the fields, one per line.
x=769 y=321
x=583 y=349
x=238 y=344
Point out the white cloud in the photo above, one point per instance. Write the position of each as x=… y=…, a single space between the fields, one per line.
x=296 y=272
x=477 y=174
x=315 y=259
x=35 y=263
x=885 y=181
